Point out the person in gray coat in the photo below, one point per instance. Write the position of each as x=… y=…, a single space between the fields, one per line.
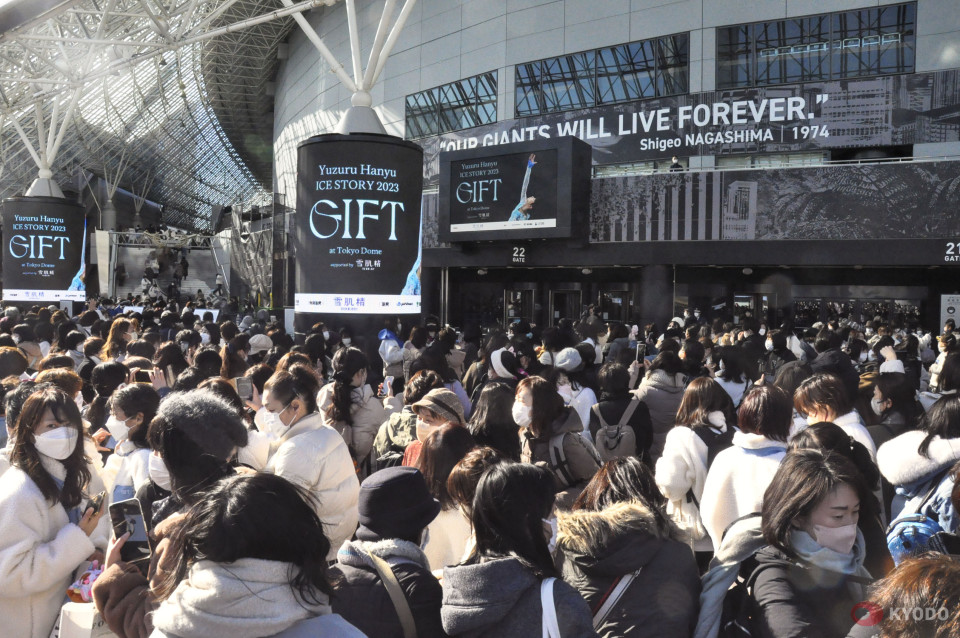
x=496 y=591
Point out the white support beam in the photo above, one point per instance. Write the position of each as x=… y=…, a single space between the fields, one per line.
x=382 y=30
x=392 y=38
x=354 y=42
x=331 y=60
x=67 y=121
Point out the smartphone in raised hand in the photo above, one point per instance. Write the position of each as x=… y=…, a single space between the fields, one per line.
x=127 y=516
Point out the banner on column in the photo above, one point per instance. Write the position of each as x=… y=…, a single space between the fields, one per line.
x=358 y=225
x=44 y=250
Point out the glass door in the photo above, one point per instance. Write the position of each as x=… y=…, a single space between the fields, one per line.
x=615 y=304
x=565 y=304
x=517 y=304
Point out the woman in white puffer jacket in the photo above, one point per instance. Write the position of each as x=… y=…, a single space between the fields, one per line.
x=46 y=529
x=704 y=414
x=310 y=454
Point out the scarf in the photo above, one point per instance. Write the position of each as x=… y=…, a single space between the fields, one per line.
x=393 y=550
x=825 y=558
x=248 y=598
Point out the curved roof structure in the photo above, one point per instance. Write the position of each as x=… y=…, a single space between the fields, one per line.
x=170 y=99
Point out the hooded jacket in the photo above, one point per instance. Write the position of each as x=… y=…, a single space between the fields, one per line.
x=737 y=480
x=247 y=598
x=662 y=393
x=314 y=457
x=913 y=474
x=399 y=431
x=582 y=458
x=598 y=548
x=368 y=415
x=391 y=354
x=361 y=598
x=501 y=597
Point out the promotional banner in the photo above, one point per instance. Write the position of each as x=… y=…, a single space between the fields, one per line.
x=44 y=250
x=533 y=190
x=858 y=113
x=505 y=192
x=358 y=225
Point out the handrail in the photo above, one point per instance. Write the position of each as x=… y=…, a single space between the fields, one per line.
x=226 y=278
x=788 y=165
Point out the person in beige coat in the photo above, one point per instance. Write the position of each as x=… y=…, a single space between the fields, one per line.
x=351 y=407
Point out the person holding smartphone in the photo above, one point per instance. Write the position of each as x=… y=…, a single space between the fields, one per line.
x=46 y=528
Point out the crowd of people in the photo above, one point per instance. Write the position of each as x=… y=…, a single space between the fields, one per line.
x=588 y=479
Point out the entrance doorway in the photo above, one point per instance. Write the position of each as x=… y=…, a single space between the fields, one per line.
x=565 y=304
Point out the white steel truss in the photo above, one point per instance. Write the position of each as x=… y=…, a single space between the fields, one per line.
x=179 y=93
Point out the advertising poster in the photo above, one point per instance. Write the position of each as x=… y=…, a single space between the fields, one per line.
x=949 y=309
x=912 y=108
x=504 y=192
x=358 y=225
x=44 y=250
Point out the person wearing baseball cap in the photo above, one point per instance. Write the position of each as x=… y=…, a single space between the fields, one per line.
x=395 y=506
x=438 y=407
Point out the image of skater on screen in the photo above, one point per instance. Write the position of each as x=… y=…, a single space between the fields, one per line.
x=525 y=206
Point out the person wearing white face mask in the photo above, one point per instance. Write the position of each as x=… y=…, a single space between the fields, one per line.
x=550 y=433
x=127 y=469
x=46 y=530
x=810 y=574
x=310 y=454
x=894 y=402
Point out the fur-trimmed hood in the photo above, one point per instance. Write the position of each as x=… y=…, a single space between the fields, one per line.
x=901 y=463
x=624 y=536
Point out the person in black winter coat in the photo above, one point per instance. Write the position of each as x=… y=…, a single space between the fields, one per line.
x=810 y=575
x=618 y=528
x=833 y=360
x=395 y=506
x=777 y=355
x=615 y=398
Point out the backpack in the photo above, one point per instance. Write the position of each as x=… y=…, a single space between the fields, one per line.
x=913 y=534
x=716 y=442
x=617 y=440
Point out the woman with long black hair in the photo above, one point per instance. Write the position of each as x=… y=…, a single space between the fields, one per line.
x=500 y=589
x=251 y=561
x=350 y=406
x=46 y=527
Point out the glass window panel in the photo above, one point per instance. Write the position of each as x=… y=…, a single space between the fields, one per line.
x=673 y=54
x=626 y=72
x=529 y=98
x=786 y=54
x=734 y=47
x=486 y=88
x=421 y=114
x=877 y=41
x=568 y=82
x=456 y=102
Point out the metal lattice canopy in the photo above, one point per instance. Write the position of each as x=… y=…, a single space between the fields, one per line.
x=171 y=95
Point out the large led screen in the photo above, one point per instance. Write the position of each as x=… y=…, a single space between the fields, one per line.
x=44 y=250
x=358 y=225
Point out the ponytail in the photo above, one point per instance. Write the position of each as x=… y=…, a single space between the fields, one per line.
x=346 y=364
x=298 y=382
